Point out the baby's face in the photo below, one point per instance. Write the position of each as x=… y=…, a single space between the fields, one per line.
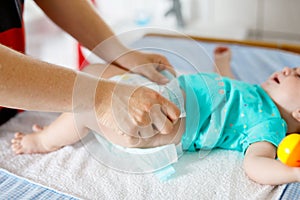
x=284 y=88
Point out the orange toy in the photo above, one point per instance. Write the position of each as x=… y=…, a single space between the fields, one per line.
x=288 y=150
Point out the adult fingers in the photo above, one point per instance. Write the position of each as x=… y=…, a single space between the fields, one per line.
x=160 y=120
x=147 y=131
x=170 y=109
x=163 y=64
x=171 y=70
x=155 y=76
x=143 y=125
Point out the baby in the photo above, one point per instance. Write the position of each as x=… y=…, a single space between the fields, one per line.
x=220 y=113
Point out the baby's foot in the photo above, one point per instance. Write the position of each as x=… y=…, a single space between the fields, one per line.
x=222 y=58
x=31 y=143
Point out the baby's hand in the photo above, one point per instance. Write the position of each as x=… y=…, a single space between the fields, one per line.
x=222 y=58
x=222 y=53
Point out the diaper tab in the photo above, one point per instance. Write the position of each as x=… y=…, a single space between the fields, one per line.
x=165 y=173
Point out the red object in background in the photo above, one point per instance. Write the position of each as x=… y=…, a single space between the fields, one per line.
x=82 y=62
x=14 y=38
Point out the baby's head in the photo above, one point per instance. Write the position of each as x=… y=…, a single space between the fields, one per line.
x=284 y=88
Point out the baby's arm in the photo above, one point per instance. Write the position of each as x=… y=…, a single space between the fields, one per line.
x=222 y=59
x=260 y=165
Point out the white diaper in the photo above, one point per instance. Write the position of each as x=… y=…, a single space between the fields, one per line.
x=137 y=160
x=170 y=91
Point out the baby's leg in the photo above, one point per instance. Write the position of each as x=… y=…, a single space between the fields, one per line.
x=222 y=59
x=64 y=130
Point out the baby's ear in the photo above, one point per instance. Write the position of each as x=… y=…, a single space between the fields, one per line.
x=296 y=114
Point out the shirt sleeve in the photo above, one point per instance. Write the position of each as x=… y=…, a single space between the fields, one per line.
x=271 y=130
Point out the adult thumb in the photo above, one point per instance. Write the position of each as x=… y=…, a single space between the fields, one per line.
x=155 y=76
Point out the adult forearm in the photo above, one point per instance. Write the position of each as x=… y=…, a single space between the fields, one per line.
x=81 y=20
x=31 y=84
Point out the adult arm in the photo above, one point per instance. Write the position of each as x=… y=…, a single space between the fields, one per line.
x=81 y=20
x=260 y=165
x=31 y=84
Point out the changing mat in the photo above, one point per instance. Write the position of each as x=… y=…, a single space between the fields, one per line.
x=74 y=171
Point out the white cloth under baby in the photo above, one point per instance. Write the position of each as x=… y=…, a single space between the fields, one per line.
x=137 y=160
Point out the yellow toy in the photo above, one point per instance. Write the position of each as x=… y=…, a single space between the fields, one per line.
x=288 y=151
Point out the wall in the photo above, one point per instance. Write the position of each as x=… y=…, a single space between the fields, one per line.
x=281 y=19
x=271 y=20
x=275 y=20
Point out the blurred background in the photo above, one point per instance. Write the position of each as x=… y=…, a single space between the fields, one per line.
x=265 y=20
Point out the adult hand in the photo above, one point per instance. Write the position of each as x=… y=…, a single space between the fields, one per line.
x=154 y=141
x=134 y=111
x=146 y=64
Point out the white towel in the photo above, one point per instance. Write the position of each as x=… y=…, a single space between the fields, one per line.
x=74 y=171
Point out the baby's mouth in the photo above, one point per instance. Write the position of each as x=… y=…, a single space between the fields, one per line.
x=276 y=79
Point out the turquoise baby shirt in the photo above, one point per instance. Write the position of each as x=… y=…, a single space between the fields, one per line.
x=228 y=114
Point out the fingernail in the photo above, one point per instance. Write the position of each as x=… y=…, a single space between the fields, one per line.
x=165 y=80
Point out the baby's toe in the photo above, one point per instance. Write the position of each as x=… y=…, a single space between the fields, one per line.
x=18 y=135
x=18 y=151
x=14 y=141
x=17 y=139
x=37 y=128
x=16 y=147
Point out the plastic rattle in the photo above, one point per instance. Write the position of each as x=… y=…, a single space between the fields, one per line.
x=288 y=151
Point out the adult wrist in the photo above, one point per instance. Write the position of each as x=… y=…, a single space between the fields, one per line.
x=111 y=50
x=84 y=91
x=91 y=100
